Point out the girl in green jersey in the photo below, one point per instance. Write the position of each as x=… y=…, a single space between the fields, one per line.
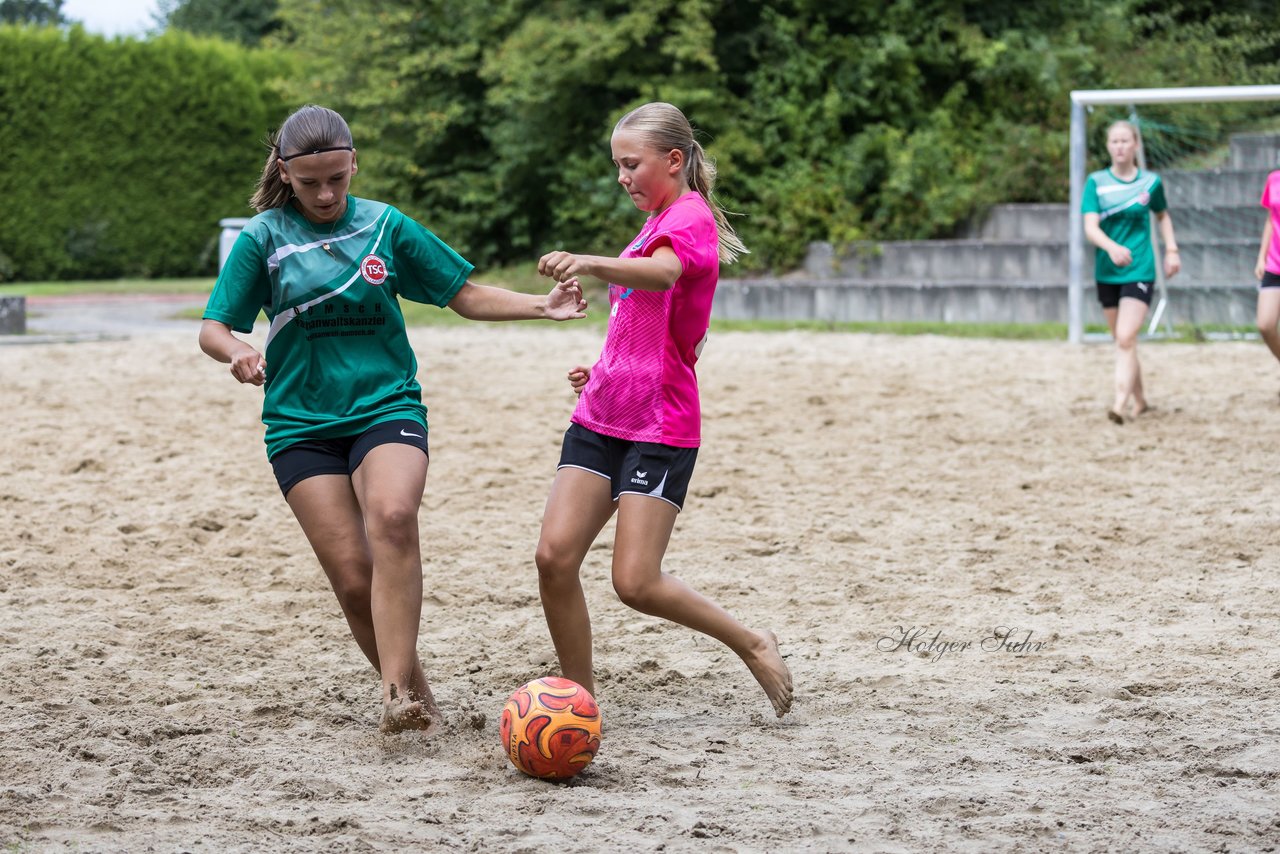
x=346 y=428
x=1116 y=205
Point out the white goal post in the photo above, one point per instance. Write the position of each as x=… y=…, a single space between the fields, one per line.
x=1081 y=100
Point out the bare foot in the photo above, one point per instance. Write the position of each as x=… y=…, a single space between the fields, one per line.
x=766 y=664
x=405 y=713
x=1115 y=417
x=1141 y=408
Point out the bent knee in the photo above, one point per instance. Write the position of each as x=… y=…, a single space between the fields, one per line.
x=634 y=593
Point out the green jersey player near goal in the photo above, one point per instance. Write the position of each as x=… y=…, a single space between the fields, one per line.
x=346 y=430
x=1117 y=201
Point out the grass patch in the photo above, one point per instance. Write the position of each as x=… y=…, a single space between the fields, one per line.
x=108 y=288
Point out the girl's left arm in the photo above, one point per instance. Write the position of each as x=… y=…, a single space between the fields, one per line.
x=484 y=302
x=657 y=272
x=1172 y=260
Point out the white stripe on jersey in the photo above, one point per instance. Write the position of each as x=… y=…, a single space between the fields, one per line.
x=1112 y=211
x=273 y=262
x=281 y=320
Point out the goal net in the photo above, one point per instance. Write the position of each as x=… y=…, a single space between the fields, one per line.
x=1213 y=147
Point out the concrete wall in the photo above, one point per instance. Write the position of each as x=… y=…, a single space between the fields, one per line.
x=954 y=302
x=1011 y=266
x=1255 y=151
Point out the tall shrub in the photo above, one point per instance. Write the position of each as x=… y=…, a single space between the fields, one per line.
x=122 y=155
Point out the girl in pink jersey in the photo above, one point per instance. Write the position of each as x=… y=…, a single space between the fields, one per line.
x=635 y=432
x=1268 y=267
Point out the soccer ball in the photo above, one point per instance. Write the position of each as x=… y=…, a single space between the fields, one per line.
x=550 y=728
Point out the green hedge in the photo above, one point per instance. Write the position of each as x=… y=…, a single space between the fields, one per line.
x=120 y=156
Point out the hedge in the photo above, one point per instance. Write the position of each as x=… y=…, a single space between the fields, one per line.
x=122 y=155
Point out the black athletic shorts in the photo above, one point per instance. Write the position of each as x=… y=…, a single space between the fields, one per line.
x=1109 y=295
x=632 y=468
x=344 y=455
x=1269 y=280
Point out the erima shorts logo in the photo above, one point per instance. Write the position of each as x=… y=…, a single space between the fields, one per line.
x=640 y=478
x=374 y=269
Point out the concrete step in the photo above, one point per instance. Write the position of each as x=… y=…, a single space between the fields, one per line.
x=1214 y=187
x=1255 y=151
x=945 y=261
x=798 y=298
x=1049 y=222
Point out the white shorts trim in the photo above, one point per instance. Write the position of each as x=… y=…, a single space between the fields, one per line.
x=584 y=468
x=649 y=495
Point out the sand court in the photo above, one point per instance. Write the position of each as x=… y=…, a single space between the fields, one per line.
x=1011 y=623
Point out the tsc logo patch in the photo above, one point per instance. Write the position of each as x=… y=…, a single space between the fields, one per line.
x=374 y=269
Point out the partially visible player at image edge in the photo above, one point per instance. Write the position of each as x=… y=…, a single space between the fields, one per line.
x=635 y=432
x=346 y=428
x=1267 y=270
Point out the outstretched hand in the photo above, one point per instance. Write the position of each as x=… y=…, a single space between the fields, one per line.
x=565 y=301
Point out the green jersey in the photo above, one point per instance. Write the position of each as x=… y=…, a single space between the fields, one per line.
x=338 y=359
x=1122 y=208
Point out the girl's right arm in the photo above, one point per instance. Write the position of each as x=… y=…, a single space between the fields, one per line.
x=247 y=364
x=1261 y=266
x=657 y=272
x=1119 y=255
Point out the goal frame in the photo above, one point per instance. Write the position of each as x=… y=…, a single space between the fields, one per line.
x=1081 y=101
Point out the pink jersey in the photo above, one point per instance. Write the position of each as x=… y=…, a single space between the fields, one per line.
x=1271 y=201
x=643 y=388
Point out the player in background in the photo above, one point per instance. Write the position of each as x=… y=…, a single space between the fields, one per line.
x=1268 y=267
x=1116 y=205
x=635 y=432
x=346 y=428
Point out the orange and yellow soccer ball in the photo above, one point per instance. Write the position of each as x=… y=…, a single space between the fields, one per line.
x=551 y=728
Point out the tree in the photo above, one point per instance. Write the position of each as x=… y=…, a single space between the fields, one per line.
x=40 y=12
x=244 y=21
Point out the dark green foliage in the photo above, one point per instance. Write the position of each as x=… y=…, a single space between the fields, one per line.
x=244 y=21
x=40 y=12
x=490 y=121
x=122 y=155
x=829 y=120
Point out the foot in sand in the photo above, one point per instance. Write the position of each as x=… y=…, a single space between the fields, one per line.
x=766 y=664
x=407 y=713
x=1115 y=417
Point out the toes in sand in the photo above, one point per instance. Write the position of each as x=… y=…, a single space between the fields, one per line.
x=400 y=714
x=772 y=673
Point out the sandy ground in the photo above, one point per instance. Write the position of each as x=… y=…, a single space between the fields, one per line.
x=176 y=676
